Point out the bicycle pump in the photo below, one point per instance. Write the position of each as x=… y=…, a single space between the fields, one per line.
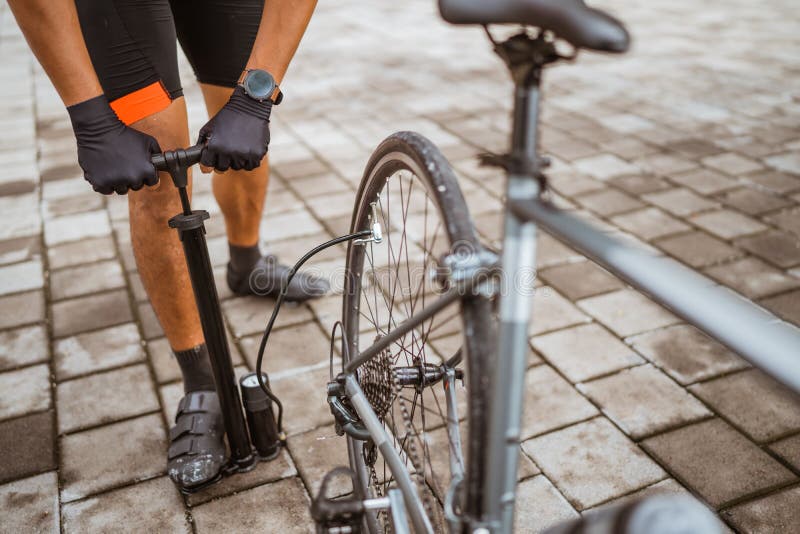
x=191 y=230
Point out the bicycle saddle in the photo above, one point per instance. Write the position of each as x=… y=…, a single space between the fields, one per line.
x=571 y=20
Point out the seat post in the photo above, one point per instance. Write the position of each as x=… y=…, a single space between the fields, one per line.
x=525 y=57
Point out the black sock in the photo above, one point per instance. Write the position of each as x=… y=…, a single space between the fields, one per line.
x=196 y=369
x=243 y=259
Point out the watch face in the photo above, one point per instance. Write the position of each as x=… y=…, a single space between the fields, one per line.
x=259 y=84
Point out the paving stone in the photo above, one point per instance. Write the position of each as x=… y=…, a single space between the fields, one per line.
x=27 y=445
x=305 y=389
x=705 y=181
x=786 y=162
x=21 y=216
x=717 y=462
x=286 y=501
x=752 y=277
x=664 y=164
x=608 y=202
x=579 y=280
x=756 y=404
x=786 y=306
x=163 y=361
x=789 y=450
x=732 y=164
x=31 y=504
x=640 y=184
x=283 y=351
x=20 y=249
x=727 y=224
x=779 y=248
x=22 y=309
x=276 y=469
x=627 y=312
x=21 y=277
x=752 y=201
x=97 y=351
x=679 y=201
x=151 y=506
x=777 y=182
x=642 y=401
x=686 y=354
x=698 y=249
x=584 y=352
x=604 y=166
x=551 y=311
x=550 y=252
x=23 y=346
x=550 y=403
x=774 y=513
x=83 y=251
x=289 y=225
x=111 y=455
x=788 y=220
x=570 y=184
x=540 y=506
x=665 y=487
x=151 y=327
x=249 y=315
x=592 y=462
x=105 y=397
x=649 y=223
x=74 y=227
x=92 y=278
x=24 y=391
x=318 y=452
x=90 y=313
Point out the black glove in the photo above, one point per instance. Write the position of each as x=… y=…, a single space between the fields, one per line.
x=113 y=156
x=237 y=136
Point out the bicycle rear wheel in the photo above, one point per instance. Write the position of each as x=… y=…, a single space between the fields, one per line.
x=414 y=194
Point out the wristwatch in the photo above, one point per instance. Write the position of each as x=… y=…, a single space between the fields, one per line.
x=259 y=85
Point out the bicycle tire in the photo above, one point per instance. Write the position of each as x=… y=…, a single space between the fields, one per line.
x=412 y=153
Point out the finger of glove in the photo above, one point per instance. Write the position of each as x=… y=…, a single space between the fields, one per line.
x=102 y=189
x=223 y=163
x=208 y=157
x=121 y=189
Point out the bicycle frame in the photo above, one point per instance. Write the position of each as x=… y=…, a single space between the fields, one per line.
x=766 y=341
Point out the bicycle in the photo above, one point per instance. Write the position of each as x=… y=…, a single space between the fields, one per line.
x=410 y=280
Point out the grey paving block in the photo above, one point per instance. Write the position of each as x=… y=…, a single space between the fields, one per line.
x=105 y=397
x=23 y=346
x=779 y=248
x=753 y=278
x=24 y=391
x=686 y=354
x=679 y=201
x=306 y=389
x=551 y=402
x=31 y=504
x=649 y=223
x=540 y=506
x=317 y=452
x=92 y=278
x=249 y=315
x=149 y=506
x=698 y=249
x=774 y=513
x=580 y=280
x=93 y=312
x=592 y=462
x=753 y=201
x=789 y=450
x=627 y=312
x=717 y=462
x=785 y=306
x=759 y=406
x=83 y=251
x=96 y=351
x=18 y=277
x=643 y=401
x=286 y=500
x=727 y=224
x=27 y=445
x=608 y=202
x=283 y=351
x=584 y=352
x=109 y=456
x=19 y=249
x=22 y=309
x=551 y=312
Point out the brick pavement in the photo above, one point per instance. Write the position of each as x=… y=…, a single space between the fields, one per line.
x=689 y=144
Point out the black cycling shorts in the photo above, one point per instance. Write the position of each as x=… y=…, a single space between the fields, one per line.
x=132 y=44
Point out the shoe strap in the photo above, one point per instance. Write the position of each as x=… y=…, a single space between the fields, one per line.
x=193 y=446
x=197 y=425
x=198 y=402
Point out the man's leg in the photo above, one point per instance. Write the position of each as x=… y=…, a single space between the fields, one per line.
x=241 y=196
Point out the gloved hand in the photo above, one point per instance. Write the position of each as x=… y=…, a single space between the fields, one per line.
x=113 y=156
x=237 y=136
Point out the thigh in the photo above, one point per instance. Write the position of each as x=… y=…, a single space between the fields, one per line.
x=217 y=36
x=132 y=47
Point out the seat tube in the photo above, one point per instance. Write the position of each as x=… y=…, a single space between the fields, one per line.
x=518 y=267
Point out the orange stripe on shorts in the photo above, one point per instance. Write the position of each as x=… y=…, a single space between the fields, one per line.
x=141 y=103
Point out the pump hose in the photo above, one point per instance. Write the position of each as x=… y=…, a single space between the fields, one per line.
x=274 y=316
